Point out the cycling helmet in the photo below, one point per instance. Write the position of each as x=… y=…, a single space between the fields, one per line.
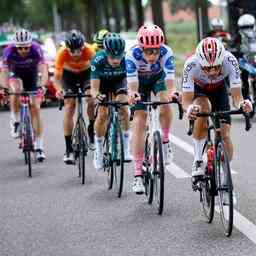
x=150 y=36
x=217 y=23
x=99 y=37
x=74 y=40
x=210 y=52
x=22 y=36
x=246 y=24
x=114 y=45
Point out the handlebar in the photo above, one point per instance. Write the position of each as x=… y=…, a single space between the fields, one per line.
x=155 y=104
x=219 y=115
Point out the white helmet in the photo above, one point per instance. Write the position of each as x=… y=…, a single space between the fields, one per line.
x=217 y=23
x=246 y=21
x=210 y=52
x=22 y=36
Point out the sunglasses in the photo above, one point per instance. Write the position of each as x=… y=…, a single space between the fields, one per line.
x=212 y=69
x=23 y=48
x=151 y=51
x=76 y=52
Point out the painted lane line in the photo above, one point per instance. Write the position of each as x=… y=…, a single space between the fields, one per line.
x=243 y=225
x=187 y=147
x=177 y=172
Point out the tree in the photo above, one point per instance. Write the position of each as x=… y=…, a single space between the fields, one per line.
x=139 y=13
x=127 y=14
x=157 y=12
x=182 y=5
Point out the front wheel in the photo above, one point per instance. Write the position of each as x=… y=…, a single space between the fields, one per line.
x=27 y=156
x=158 y=172
x=224 y=189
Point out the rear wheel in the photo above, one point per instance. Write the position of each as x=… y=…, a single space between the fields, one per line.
x=225 y=189
x=158 y=172
x=108 y=168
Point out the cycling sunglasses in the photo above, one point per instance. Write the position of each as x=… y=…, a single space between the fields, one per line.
x=23 y=48
x=212 y=69
x=151 y=51
x=76 y=51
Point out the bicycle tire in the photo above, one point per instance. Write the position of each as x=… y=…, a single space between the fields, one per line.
x=148 y=179
x=158 y=172
x=224 y=185
x=118 y=159
x=108 y=168
x=207 y=194
x=27 y=138
x=81 y=146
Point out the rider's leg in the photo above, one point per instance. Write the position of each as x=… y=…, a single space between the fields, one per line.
x=138 y=134
x=165 y=122
x=90 y=113
x=68 y=123
x=225 y=132
x=16 y=86
x=100 y=127
x=124 y=112
x=37 y=126
x=200 y=135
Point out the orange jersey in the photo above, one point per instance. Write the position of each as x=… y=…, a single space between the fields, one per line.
x=64 y=60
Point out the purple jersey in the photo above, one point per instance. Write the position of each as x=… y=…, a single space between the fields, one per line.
x=20 y=65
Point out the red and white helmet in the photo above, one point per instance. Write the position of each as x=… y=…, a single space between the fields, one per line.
x=22 y=36
x=150 y=36
x=210 y=52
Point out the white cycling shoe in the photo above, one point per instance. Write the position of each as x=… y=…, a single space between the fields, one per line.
x=138 y=186
x=167 y=153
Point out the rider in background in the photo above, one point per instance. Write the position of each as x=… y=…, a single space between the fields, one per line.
x=72 y=67
x=98 y=39
x=23 y=60
x=204 y=90
x=245 y=42
x=150 y=68
x=217 y=31
x=108 y=76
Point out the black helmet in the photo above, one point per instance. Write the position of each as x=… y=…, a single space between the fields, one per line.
x=74 y=40
x=114 y=45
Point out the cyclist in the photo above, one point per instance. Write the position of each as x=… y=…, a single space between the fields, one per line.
x=72 y=67
x=108 y=77
x=23 y=60
x=98 y=39
x=150 y=68
x=204 y=89
x=246 y=44
x=217 y=31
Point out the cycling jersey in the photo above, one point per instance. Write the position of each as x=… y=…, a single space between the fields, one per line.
x=138 y=70
x=101 y=69
x=193 y=74
x=19 y=64
x=24 y=68
x=64 y=60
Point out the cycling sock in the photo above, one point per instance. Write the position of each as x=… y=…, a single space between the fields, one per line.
x=165 y=135
x=39 y=143
x=138 y=159
x=15 y=116
x=68 y=143
x=198 y=149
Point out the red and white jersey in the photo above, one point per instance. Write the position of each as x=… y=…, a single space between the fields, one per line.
x=193 y=74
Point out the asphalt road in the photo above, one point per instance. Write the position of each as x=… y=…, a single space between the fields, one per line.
x=52 y=214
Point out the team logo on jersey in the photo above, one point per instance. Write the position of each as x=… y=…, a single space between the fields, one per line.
x=163 y=51
x=156 y=67
x=169 y=64
x=137 y=53
x=93 y=68
x=130 y=66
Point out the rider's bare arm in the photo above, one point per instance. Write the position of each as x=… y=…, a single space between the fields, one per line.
x=5 y=77
x=187 y=99
x=44 y=72
x=237 y=96
x=133 y=86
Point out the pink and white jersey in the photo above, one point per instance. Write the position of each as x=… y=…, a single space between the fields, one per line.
x=193 y=74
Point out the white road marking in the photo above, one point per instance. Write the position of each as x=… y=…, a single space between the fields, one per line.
x=187 y=147
x=177 y=172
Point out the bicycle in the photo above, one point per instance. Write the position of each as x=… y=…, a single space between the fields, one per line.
x=79 y=137
x=153 y=164
x=113 y=152
x=27 y=136
x=217 y=179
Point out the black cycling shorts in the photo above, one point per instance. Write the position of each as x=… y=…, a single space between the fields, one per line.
x=29 y=80
x=113 y=87
x=218 y=98
x=71 y=80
